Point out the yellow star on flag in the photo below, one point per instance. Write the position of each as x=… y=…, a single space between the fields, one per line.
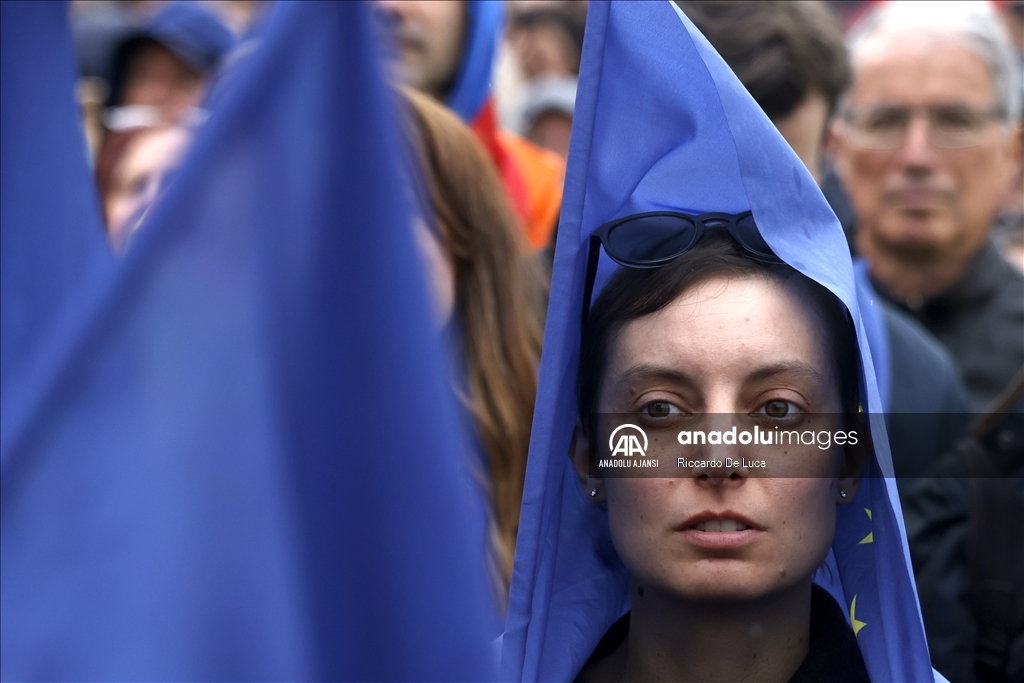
x=857 y=625
x=870 y=538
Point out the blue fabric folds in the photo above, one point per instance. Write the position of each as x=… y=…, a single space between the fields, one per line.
x=485 y=20
x=662 y=123
x=241 y=461
x=49 y=249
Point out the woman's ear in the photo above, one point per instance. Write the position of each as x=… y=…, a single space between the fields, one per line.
x=855 y=458
x=579 y=453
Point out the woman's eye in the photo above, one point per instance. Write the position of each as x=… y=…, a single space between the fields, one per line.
x=778 y=409
x=661 y=409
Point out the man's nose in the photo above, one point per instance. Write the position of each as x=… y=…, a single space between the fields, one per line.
x=917 y=152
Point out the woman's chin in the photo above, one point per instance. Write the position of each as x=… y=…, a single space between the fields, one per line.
x=730 y=581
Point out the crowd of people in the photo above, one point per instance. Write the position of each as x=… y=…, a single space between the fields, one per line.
x=788 y=212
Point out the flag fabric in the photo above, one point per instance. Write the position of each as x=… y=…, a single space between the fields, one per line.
x=235 y=454
x=662 y=124
x=51 y=242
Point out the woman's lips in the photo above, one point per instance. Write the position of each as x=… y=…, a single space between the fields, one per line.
x=719 y=529
x=720 y=539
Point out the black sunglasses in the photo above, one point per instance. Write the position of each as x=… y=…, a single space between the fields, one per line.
x=655 y=239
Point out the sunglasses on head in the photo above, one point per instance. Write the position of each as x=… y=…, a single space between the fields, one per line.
x=655 y=239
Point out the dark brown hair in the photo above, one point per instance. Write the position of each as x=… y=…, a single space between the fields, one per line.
x=781 y=51
x=499 y=294
x=633 y=293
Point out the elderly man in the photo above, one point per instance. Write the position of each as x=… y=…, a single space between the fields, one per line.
x=927 y=144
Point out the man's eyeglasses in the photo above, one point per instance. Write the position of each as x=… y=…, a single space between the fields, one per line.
x=652 y=240
x=952 y=126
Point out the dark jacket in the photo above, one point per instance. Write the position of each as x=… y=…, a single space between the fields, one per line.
x=981 y=321
x=966 y=531
x=832 y=655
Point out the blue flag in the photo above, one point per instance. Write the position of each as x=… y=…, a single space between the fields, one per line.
x=662 y=124
x=51 y=242
x=242 y=460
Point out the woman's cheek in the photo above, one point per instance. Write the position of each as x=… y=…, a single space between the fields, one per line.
x=807 y=522
x=636 y=507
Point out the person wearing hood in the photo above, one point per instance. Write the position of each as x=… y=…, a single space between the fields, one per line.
x=446 y=49
x=157 y=77
x=700 y=279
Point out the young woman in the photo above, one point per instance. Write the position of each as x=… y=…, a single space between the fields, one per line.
x=489 y=298
x=721 y=554
x=724 y=306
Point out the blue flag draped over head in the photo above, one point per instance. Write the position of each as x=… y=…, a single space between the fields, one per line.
x=662 y=123
x=240 y=461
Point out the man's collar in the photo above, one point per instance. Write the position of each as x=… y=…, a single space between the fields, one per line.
x=979 y=282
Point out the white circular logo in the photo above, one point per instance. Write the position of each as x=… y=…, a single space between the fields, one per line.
x=627 y=443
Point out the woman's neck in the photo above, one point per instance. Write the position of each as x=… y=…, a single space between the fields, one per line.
x=675 y=640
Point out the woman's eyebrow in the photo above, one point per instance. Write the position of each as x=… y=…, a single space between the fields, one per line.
x=798 y=368
x=649 y=371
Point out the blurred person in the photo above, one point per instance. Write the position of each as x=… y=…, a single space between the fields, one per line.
x=547 y=37
x=1013 y=18
x=1008 y=232
x=134 y=181
x=158 y=75
x=791 y=57
x=489 y=300
x=547 y=112
x=98 y=26
x=445 y=48
x=927 y=145
x=1009 y=237
x=547 y=40
x=164 y=65
x=965 y=525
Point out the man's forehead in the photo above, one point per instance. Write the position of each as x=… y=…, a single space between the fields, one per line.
x=921 y=62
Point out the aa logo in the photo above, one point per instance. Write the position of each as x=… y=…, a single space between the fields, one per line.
x=625 y=440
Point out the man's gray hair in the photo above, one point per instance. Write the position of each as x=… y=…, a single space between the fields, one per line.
x=976 y=22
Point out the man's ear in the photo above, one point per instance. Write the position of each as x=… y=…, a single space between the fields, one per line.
x=579 y=453
x=855 y=459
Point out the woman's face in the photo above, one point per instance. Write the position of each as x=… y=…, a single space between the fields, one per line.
x=743 y=347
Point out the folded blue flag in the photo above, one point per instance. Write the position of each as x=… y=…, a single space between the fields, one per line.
x=242 y=461
x=662 y=123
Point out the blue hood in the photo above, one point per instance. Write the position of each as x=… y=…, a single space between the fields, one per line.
x=662 y=123
x=485 y=20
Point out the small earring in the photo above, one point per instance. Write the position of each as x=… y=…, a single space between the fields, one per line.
x=842 y=493
x=593 y=493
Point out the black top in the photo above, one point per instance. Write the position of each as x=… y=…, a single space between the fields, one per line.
x=980 y=320
x=832 y=654
x=927 y=403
